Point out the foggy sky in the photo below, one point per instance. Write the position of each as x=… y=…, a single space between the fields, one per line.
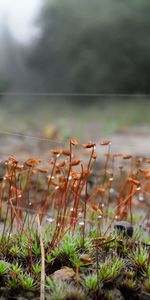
x=19 y=15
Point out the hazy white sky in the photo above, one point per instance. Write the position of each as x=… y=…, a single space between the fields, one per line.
x=19 y=14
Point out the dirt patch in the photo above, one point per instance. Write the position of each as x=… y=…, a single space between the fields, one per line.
x=135 y=141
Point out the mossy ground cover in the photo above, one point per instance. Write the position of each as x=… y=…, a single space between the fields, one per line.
x=58 y=234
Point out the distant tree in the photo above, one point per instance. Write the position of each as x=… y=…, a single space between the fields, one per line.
x=93 y=46
x=14 y=75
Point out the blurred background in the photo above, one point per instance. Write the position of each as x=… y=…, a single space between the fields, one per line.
x=75 y=68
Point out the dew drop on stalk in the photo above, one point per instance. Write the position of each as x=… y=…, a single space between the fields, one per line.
x=116 y=217
x=138 y=188
x=50 y=220
x=141 y=197
x=100 y=217
x=71 y=209
x=57 y=187
x=111 y=179
x=58 y=155
x=80 y=214
x=81 y=223
x=70 y=177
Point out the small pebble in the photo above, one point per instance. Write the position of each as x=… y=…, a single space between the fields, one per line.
x=124 y=227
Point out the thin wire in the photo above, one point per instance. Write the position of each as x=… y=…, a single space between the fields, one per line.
x=31 y=137
x=56 y=141
x=49 y=94
x=37 y=211
x=48 y=215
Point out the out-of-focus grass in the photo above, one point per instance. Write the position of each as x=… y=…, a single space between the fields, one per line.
x=115 y=114
x=109 y=114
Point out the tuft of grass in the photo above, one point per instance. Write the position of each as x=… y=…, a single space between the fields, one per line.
x=27 y=282
x=140 y=257
x=91 y=282
x=4 y=268
x=110 y=270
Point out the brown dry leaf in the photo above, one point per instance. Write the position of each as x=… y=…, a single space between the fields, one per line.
x=85 y=258
x=64 y=273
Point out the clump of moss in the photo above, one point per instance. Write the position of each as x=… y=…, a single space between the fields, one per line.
x=69 y=222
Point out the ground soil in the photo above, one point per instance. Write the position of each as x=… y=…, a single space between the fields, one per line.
x=134 y=141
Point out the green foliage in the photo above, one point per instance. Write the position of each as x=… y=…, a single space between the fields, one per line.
x=110 y=269
x=4 y=245
x=56 y=252
x=4 y=268
x=140 y=256
x=49 y=258
x=147 y=285
x=49 y=283
x=36 y=250
x=14 y=250
x=61 y=291
x=130 y=284
x=75 y=261
x=36 y=269
x=90 y=282
x=16 y=268
x=24 y=241
x=130 y=274
x=68 y=246
x=57 y=289
x=13 y=282
x=27 y=282
x=148 y=272
x=25 y=252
